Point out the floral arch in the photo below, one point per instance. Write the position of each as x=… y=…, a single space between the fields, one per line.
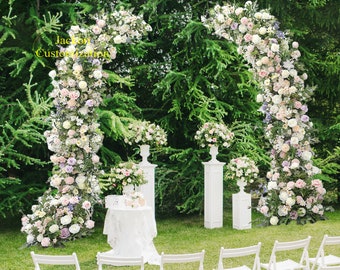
x=293 y=193
x=64 y=212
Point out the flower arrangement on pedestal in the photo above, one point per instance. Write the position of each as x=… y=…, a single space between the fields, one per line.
x=146 y=133
x=242 y=169
x=214 y=134
x=274 y=62
x=293 y=201
x=124 y=174
x=64 y=212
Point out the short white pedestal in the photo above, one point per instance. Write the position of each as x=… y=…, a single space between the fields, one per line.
x=213 y=194
x=148 y=189
x=241 y=211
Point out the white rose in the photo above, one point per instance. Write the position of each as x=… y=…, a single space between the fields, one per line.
x=290 y=202
x=256 y=39
x=82 y=85
x=65 y=220
x=54 y=228
x=262 y=30
x=306 y=155
x=277 y=99
x=29 y=239
x=275 y=47
x=292 y=122
x=97 y=74
x=242 y=28
x=66 y=124
x=74 y=228
x=274 y=220
x=283 y=196
x=285 y=73
x=294 y=140
x=259 y=98
x=272 y=185
x=40 y=237
x=118 y=39
x=52 y=74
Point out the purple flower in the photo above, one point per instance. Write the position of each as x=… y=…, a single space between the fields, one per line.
x=276 y=25
x=71 y=161
x=68 y=169
x=304 y=118
x=280 y=34
x=234 y=26
x=293 y=215
x=64 y=233
x=304 y=108
x=285 y=163
x=89 y=103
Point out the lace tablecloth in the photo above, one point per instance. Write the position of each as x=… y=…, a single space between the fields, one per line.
x=130 y=233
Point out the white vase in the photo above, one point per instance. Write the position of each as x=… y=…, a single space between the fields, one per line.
x=144 y=152
x=213 y=152
x=241 y=183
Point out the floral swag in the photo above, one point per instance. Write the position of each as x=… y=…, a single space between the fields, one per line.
x=64 y=211
x=274 y=61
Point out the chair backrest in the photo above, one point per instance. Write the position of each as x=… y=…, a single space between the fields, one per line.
x=301 y=245
x=104 y=259
x=326 y=241
x=55 y=260
x=241 y=252
x=182 y=258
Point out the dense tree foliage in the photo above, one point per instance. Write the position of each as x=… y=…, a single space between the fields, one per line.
x=179 y=77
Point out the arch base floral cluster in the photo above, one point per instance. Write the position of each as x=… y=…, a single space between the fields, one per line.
x=64 y=212
x=293 y=193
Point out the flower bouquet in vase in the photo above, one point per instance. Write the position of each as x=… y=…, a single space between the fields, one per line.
x=123 y=179
x=243 y=170
x=146 y=134
x=214 y=135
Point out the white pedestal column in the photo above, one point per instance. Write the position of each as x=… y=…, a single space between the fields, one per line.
x=213 y=193
x=148 y=189
x=241 y=210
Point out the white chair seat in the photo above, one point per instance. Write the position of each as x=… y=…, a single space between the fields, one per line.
x=329 y=260
x=285 y=265
x=243 y=267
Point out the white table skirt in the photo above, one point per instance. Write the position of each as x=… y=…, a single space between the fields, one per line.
x=130 y=233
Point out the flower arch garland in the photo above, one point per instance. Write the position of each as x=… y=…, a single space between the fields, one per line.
x=293 y=194
x=64 y=211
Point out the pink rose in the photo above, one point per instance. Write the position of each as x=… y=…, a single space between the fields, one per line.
x=86 y=205
x=69 y=180
x=317 y=183
x=89 y=224
x=45 y=242
x=300 y=183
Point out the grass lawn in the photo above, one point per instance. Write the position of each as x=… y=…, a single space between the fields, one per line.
x=175 y=235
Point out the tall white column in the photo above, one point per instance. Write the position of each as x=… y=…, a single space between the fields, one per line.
x=241 y=209
x=213 y=193
x=148 y=189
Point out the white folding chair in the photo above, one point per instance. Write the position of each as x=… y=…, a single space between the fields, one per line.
x=182 y=258
x=253 y=251
x=104 y=259
x=55 y=260
x=321 y=261
x=299 y=247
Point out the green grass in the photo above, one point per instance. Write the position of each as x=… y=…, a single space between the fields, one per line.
x=175 y=235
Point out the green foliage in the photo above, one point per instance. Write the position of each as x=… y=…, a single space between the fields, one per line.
x=20 y=134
